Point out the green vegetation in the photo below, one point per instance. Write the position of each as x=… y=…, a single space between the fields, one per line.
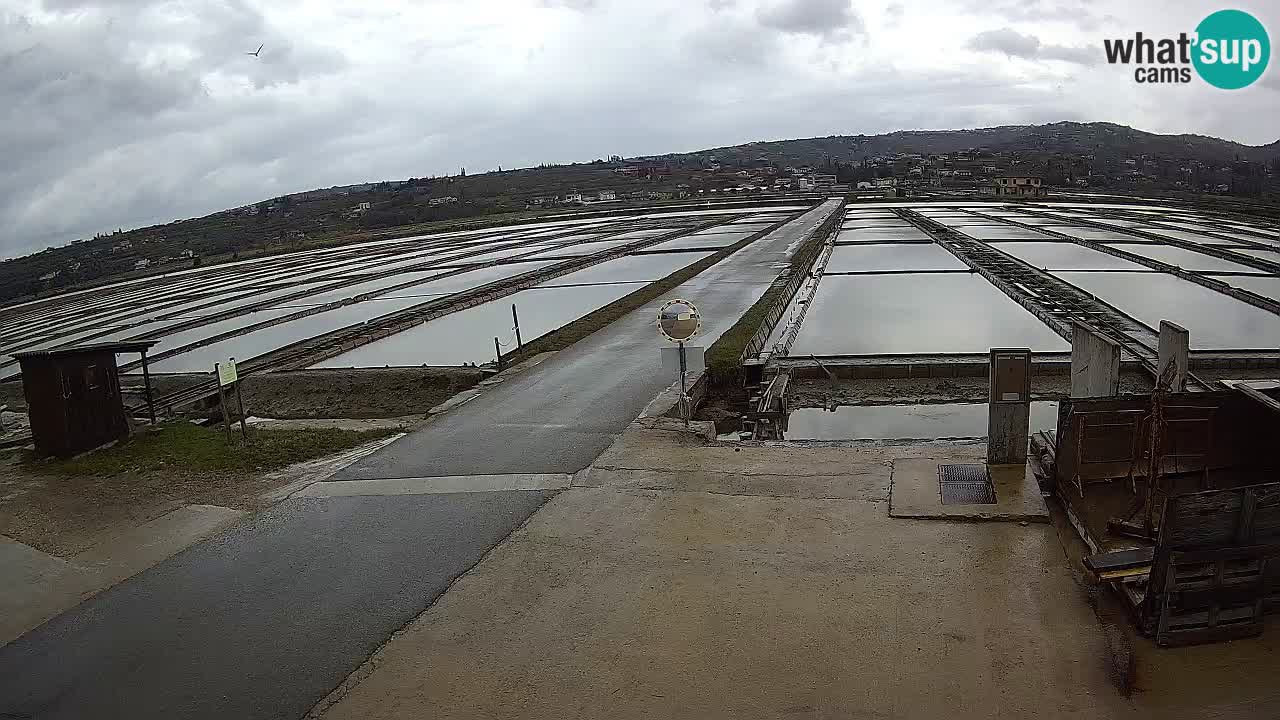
x=725 y=354
x=182 y=447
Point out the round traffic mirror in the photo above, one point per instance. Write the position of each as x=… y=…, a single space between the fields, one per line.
x=678 y=320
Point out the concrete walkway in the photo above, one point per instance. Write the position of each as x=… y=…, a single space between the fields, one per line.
x=38 y=586
x=692 y=581
x=261 y=621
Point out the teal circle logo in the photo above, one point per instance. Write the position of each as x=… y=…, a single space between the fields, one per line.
x=1232 y=49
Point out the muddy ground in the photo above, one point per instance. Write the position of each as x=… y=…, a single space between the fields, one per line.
x=925 y=391
x=298 y=394
x=64 y=515
x=363 y=393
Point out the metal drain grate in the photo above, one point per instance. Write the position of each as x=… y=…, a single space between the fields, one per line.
x=965 y=485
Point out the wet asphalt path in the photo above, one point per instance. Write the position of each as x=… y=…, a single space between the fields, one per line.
x=559 y=416
x=266 y=619
x=262 y=621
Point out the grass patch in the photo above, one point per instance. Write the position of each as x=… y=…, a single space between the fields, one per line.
x=726 y=352
x=184 y=447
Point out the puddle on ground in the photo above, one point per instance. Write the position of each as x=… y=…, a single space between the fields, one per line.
x=905 y=422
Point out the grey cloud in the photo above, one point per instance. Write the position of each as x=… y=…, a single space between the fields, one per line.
x=827 y=19
x=1078 y=55
x=1074 y=12
x=893 y=14
x=731 y=42
x=1015 y=44
x=579 y=5
x=1008 y=41
x=120 y=113
x=103 y=105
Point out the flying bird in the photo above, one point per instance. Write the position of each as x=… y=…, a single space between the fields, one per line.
x=255 y=52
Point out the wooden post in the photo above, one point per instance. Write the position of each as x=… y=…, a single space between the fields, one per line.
x=222 y=402
x=146 y=382
x=516 y=319
x=497 y=350
x=1095 y=364
x=244 y=428
x=244 y=431
x=1175 y=350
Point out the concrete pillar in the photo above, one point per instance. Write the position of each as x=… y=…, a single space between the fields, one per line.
x=1095 y=364
x=1009 y=409
x=1175 y=349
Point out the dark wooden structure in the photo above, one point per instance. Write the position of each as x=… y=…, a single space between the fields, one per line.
x=73 y=396
x=1209 y=566
x=1214 y=569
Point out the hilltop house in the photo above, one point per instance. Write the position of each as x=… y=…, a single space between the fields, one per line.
x=1017 y=186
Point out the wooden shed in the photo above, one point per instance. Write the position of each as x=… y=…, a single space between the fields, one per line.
x=73 y=396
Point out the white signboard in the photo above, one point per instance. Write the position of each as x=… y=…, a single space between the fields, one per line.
x=226 y=372
x=695 y=360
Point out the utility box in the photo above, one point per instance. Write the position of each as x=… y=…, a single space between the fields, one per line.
x=1009 y=406
x=73 y=396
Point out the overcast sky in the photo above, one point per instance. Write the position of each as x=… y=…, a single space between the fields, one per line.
x=121 y=113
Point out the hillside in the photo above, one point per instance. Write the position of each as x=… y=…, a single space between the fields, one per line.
x=1100 y=154
x=1066 y=138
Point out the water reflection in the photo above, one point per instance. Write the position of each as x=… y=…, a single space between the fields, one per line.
x=1215 y=321
x=1268 y=287
x=1183 y=258
x=856 y=258
x=914 y=422
x=917 y=313
x=467 y=336
x=1065 y=256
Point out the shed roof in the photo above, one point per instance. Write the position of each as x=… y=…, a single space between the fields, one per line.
x=127 y=346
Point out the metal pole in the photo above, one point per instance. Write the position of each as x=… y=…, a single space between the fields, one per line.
x=222 y=402
x=516 y=319
x=146 y=382
x=684 y=404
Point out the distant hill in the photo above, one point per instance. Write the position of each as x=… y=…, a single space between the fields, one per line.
x=1106 y=154
x=1068 y=138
